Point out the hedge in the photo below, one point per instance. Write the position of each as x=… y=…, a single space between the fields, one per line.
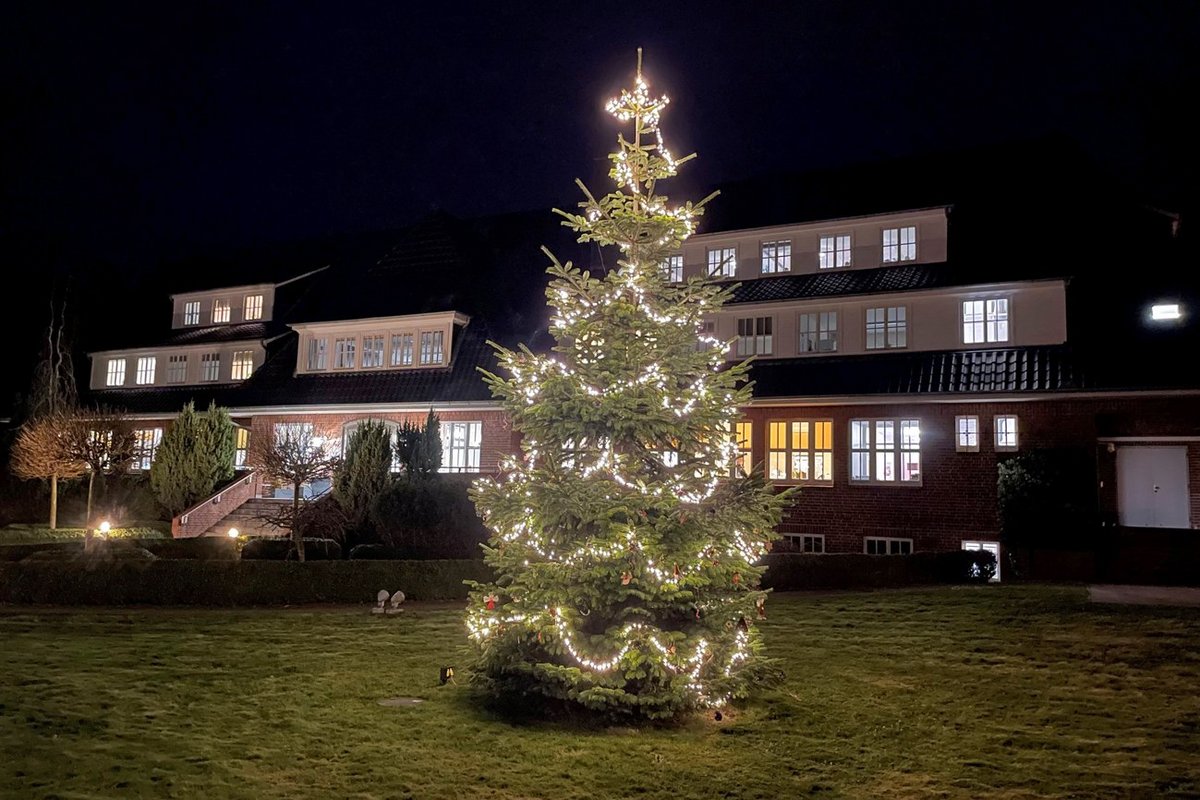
x=33 y=534
x=792 y=571
x=232 y=583
x=201 y=547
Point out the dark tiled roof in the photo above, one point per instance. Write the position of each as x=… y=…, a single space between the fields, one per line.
x=850 y=281
x=243 y=332
x=1016 y=369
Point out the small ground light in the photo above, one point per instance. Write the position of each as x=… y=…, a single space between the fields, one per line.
x=233 y=533
x=104 y=527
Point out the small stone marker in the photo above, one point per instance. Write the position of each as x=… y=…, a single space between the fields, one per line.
x=400 y=702
x=397 y=599
x=380 y=600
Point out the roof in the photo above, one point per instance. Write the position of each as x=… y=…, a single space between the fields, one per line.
x=242 y=332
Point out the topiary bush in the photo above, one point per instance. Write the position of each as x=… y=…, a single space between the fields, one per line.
x=430 y=518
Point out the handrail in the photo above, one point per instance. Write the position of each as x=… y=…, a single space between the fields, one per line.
x=252 y=479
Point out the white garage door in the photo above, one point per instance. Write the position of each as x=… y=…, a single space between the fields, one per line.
x=1152 y=487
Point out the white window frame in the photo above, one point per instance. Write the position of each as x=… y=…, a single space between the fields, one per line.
x=241 y=447
x=345 y=350
x=890 y=544
x=813 y=543
x=776 y=256
x=252 y=308
x=177 y=368
x=888 y=441
x=722 y=262
x=707 y=332
x=992 y=547
x=210 y=367
x=403 y=349
x=114 y=372
x=786 y=464
x=146 y=368
x=318 y=353
x=145 y=445
x=672 y=268
x=220 y=311
x=743 y=444
x=462 y=446
x=433 y=348
x=966 y=433
x=191 y=312
x=755 y=336
x=241 y=365
x=888 y=330
x=986 y=320
x=899 y=244
x=817 y=332
x=373 y=348
x=1006 y=433
x=835 y=250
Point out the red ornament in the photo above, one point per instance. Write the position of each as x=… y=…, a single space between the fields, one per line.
x=490 y=601
x=626 y=578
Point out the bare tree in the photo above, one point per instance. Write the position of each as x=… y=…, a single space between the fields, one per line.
x=296 y=457
x=53 y=390
x=40 y=452
x=103 y=441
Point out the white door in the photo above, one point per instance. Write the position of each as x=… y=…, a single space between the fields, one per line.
x=991 y=547
x=1152 y=487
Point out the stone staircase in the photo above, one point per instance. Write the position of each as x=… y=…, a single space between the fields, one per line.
x=250 y=519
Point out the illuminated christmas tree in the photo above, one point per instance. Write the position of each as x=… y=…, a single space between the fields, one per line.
x=624 y=537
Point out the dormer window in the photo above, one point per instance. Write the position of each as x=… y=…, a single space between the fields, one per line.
x=722 y=262
x=672 y=269
x=343 y=353
x=191 y=312
x=372 y=351
x=431 y=348
x=243 y=364
x=402 y=350
x=316 y=352
x=220 y=311
x=145 y=370
x=252 y=307
x=835 y=251
x=115 y=375
x=776 y=257
x=899 y=244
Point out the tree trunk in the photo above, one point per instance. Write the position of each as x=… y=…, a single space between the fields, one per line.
x=87 y=519
x=53 y=502
x=297 y=536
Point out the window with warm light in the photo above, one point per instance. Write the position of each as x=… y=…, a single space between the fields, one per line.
x=743 y=441
x=431 y=347
x=220 y=311
x=211 y=366
x=834 y=251
x=372 y=351
x=722 y=262
x=177 y=369
x=754 y=336
x=402 y=350
x=462 y=446
x=985 y=321
x=115 y=372
x=776 y=257
x=800 y=450
x=243 y=365
x=885 y=451
x=241 y=447
x=887 y=546
x=343 y=353
x=899 y=244
x=252 y=307
x=966 y=434
x=145 y=370
x=145 y=443
x=887 y=327
x=191 y=312
x=318 y=347
x=672 y=269
x=1006 y=432
x=818 y=332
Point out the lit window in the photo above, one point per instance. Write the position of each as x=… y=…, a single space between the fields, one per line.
x=707 y=338
x=252 y=307
x=722 y=262
x=672 y=269
x=899 y=244
x=191 y=312
x=966 y=437
x=776 y=257
x=670 y=458
x=317 y=353
x=402 y=349
x=431 y=347
x=243 y=364
x=241 y=447
x=177 y=369
x=145 y=443
x=819 y=332
x=220 y=311
x=887 y=327
x=1165 y=312
x=372 y=351
x=886 y=546
x=343 y=353
x=878 y=455
x=807 y=542
x=462 y=446
x=835 y=251
x=800 y=450
x=294 y=432
x=754 y=336
x=211 y=363
x=743 y=441
x=116 y=372
x=985 y=321
x=1006 y=432
x=145 y=370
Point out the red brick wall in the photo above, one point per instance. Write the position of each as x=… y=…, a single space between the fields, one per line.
x=207 y=513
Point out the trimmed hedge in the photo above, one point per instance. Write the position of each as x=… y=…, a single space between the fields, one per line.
x=375 y=552
x=34 y=534
x=793 y=571
x=281 y=550
x=233 y=583
x=201 y=547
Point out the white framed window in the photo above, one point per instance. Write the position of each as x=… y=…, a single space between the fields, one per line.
x=885 y=451
x=899 y=244
x=220 y=311
x=1006 y=432
x=145 y=370
x=210 y=366
x=990 y=547
x=177 y=369
x=966 y=434
x=252 y=307
x=295 y=431
x=241 y=445
x=806 y=542
x=243 y=364
x=672 y=268
x=722 y=262
x=462 y=446
x=776 y=257
x=887 y=546
x=800 y=450
x=834 y=251
x=191 y=312
x=818 y=332
x=743 y=442
x=755 y=336
x=706 y=336
x=145 y=443
x=985 y=320
x=372 y=351
x=343 y=353
x=402 y=349
x=431 y=347
x=887 y=327
x=318 y=348
x=115 y=372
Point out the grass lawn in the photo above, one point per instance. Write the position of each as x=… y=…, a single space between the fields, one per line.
x=1001 y=691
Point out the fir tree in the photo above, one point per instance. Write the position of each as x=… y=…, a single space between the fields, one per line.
x=196 y=453
x=624 y=540
x=365 y=471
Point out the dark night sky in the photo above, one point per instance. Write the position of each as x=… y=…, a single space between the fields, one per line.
x=133 y=135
